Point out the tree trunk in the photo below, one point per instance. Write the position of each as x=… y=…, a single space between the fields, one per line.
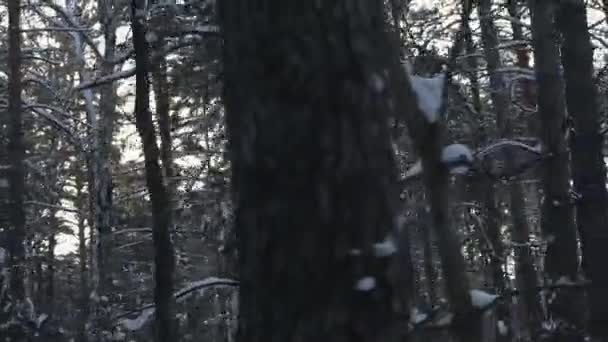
x=39 y=280
x=162 y=95
x=502 y=108
x=163 y=114
x=430 y=271
x=428 y=141
x=50 y=259
x=16 y=154
x=492 y=220
x=103 y=160
x=98 y=162
x=525 y=272
x=16 y=234
x=489 y=39
x=163 y=258
x=557 y=215
x=93 y=269
x=588 y=167
x=91 y=118
x=82 y=258
x=471 y=60
x=313 y=170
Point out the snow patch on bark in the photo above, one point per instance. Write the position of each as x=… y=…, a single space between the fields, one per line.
x=481 y=299
x=365 y=284
x=429 y=93
x=385 y=248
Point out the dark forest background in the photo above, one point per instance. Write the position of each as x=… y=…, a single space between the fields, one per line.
x=197 y=170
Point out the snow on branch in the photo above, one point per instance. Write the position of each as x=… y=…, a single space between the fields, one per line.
x=207 y=29
x=130 y=244
x=513 y=20
x=56 y=29
x=147 y=311
x=439 y=318
x=203 y=284
x=199 y=30
x=70 y=24
x=106 y=79
x=184 y=41
x=506 y=143
x=138 y=322
x=513 y=44
x=504 y=158
x=43 y=111
x=516 y=70
x=133 y=230
x=54 y=206
x=414 y=171
x=457 y=157
x=42 y=59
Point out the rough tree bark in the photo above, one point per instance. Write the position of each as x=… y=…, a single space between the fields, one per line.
x=430 y=271
x=313 y=171
x=588 y=167
x=557 y=214
x=164 y=259
x=16 y=234
x=16 y=154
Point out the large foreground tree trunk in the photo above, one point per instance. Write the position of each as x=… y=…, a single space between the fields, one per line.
x=313 y=170
x=589 y=170
x=16 y=233
x=16 y=154
x=164 y=263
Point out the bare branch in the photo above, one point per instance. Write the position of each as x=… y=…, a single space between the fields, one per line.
x=133 y=230
x=56 y=29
